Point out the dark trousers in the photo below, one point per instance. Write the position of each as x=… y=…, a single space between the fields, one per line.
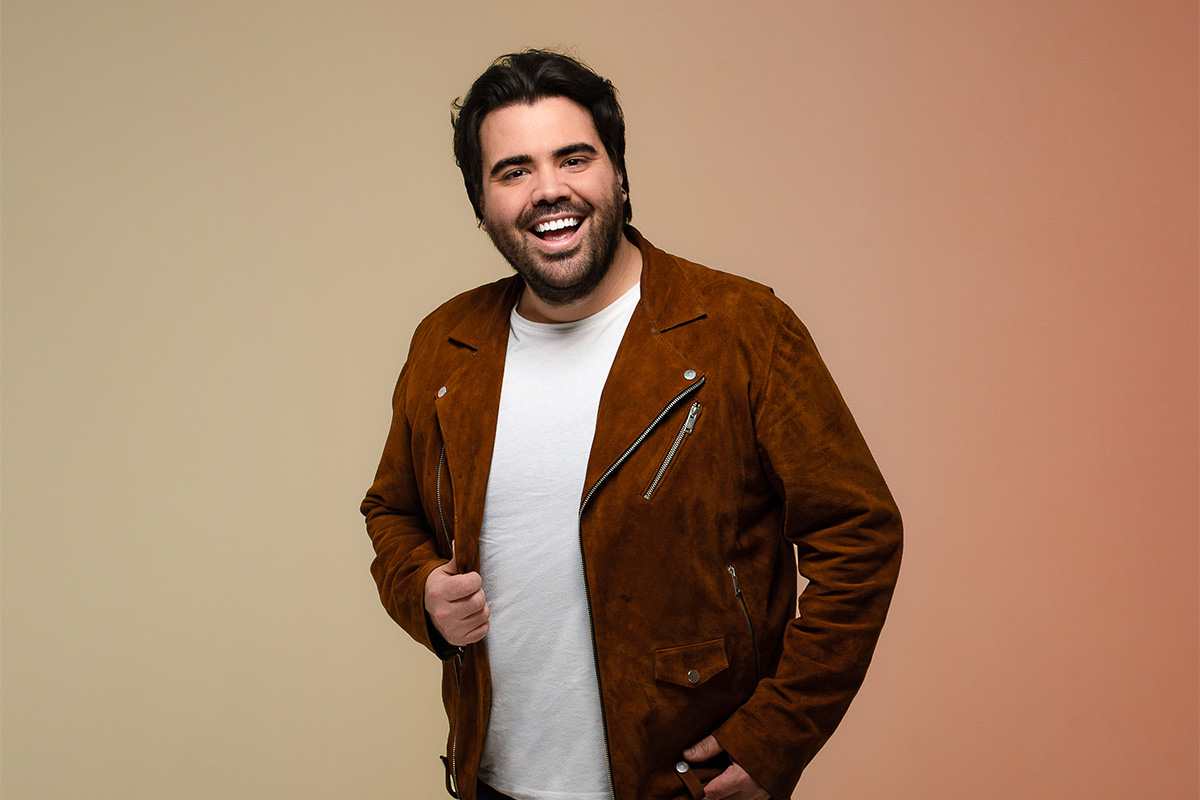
x=485 y=792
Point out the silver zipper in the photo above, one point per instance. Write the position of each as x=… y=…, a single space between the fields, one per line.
x=455 y=661
x=737 y=592
x=684 y=430
x=438 y=492
x=676 y=400
x=638 y=441
x=452 y=776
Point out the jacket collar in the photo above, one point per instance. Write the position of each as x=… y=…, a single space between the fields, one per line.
x=668 y=298
x=486 y=320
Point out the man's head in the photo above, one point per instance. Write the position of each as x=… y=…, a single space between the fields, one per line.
x=524 y=78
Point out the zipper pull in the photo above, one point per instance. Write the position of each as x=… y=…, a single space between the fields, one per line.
x=737 y=589
x=693 y=414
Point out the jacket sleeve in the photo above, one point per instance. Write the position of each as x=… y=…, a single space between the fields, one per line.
x=847 y=531
x=400 y=530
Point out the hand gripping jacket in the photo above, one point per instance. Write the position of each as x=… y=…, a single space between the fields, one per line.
x=723 y=453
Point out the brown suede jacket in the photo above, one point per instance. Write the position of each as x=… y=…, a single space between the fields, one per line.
x=722 y=452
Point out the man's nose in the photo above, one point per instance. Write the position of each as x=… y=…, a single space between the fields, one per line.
x=549 y=188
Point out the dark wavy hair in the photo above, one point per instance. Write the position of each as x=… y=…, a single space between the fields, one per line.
x=527 y=77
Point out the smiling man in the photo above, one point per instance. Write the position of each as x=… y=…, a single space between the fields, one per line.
x=552 y=201
x=602 y=478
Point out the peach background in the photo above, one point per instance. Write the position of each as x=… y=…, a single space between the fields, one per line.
x=222 y=220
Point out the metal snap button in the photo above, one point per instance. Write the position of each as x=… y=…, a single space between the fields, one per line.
x=693 y=676
x=690 y=374
x=442 y=392
x=682 y=766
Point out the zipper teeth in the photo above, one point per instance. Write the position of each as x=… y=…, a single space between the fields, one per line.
x=666 y=462
x=438 y=492
x=737 y=592
x=455 y=658
x=662 y=469
x=586 y=591
x=454 y=733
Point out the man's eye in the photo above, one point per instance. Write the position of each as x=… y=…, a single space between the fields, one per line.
x=516 y=173
x=573 y=162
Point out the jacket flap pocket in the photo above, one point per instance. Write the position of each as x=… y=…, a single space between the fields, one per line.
x=690 y=665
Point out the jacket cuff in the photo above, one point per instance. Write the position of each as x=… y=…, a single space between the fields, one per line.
x=776 y=766
x=437 y=643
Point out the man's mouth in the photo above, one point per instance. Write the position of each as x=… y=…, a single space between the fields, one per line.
x=556 y=230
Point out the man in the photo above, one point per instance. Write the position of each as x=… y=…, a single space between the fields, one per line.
x=598 y=477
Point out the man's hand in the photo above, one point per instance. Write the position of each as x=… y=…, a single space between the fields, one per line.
x=732 y=784
x=456 y=605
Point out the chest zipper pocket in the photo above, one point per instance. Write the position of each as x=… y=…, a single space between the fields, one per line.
x=684 y=430
x=737 y=592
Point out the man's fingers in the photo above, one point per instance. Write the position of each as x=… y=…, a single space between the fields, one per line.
x=719 y=786
x=451 y=587
x=460 y=586
x=470 y=607
x=735 y=784
x=476 y=634
x=475 y=629
x=462 y=609
x=713 y=790
x=456 y=604
x=464 y=620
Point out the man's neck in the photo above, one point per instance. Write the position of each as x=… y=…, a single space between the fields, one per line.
x=624 y=274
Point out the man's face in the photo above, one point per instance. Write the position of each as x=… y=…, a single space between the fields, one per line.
x=552 y=199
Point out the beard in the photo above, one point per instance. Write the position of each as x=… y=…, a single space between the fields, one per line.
x=563 y=277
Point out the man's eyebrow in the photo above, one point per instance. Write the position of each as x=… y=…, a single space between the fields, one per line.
x=572 y=149
x=505 y=163
x=562 y=152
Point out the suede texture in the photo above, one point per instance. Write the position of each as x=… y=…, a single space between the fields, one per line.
x=774 y=469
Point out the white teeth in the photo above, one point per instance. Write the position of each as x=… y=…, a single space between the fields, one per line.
x=554 y=225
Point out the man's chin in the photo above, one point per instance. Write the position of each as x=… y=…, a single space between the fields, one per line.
x=561 y=290
x=554 y=270
x=535 y=253
x=560 y=293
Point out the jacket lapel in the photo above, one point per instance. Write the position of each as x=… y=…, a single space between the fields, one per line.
x=467 y=410
x=648 y=371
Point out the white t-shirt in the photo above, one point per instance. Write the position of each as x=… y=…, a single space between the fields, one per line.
x=545 y=738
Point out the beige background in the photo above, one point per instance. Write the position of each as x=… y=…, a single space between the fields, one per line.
x=222 y=220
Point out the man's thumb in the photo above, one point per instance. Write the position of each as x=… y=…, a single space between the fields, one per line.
x=452 y=565
x=703 y=750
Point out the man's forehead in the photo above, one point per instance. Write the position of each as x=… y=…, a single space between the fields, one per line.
x=544 y=126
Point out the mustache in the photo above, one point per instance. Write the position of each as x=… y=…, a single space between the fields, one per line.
x=530 y=217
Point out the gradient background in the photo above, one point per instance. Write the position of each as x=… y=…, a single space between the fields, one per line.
x=222 y=220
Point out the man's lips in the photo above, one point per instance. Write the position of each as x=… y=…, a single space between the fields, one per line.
x=552 y=224
x=558 y=231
